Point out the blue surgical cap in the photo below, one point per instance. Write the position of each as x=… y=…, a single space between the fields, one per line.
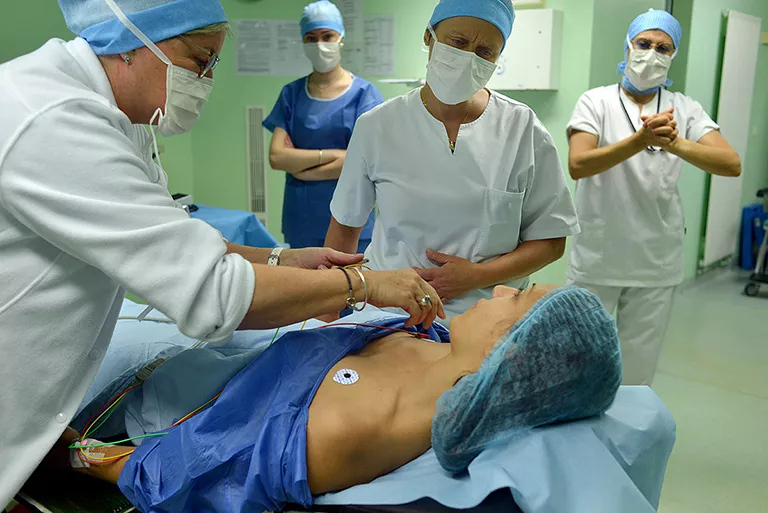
x=322 y=15
x=498 y=13
x=651 y=20
x=561 y=362
x=655 y=20
x=95 y=22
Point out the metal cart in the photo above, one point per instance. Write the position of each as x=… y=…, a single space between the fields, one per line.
x=760 y=275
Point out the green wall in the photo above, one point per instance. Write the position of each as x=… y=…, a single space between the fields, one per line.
x=555 y=108
x=683 y=11
x=756 y=165
x=28 y=25
x=594 y=31
x=219 y=176
x=211 y=162
x=220 y=163
x=701 y=83
x=611 y=20
x=176 y=156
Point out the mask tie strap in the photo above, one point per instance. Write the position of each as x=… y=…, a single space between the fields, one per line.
x=158 y=114
x=138 y=33
x=155 y=50
x=432 y=31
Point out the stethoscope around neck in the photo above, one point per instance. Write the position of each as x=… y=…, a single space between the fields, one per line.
x=649 y=149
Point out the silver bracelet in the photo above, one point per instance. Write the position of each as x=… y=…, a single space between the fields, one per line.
x=365 y=288
x=274 y=257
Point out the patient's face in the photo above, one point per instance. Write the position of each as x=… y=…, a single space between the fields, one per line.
x=483 y=324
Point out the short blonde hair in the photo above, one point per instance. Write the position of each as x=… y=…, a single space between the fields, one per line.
x=212 y=29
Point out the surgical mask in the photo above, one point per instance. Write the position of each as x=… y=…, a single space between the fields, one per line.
x=323 y=56
x=455 y=75
x=648 y=69
x=185 y=93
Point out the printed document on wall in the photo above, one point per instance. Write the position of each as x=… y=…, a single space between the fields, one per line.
x=380 y=46
x=353 y=12
x=270 y=48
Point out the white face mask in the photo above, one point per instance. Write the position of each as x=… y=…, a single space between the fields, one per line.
x=185 y=93
x=648 y=69
x=455 y=75
x=323 y=56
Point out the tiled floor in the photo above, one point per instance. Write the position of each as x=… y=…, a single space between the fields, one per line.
x=713 y=376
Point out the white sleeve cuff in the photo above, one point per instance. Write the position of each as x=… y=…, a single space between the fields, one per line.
x=556 y=233
x=233 y=281
x=581 y=127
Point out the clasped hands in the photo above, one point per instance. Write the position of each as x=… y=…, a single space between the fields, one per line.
x=660 y=130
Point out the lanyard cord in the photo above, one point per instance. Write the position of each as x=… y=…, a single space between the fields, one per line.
x=650 y=149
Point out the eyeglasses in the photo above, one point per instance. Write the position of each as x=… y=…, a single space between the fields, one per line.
x=210 y=64
x=645 y=44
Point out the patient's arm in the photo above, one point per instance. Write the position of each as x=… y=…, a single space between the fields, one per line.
x=108 y=471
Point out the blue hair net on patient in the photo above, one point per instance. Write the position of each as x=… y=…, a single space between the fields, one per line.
x=561 y=362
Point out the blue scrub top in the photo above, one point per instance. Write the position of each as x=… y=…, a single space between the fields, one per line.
x=316 y=124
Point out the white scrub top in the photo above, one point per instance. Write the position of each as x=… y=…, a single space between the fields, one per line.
x=85 y=214
x=631 y=216
x=503 y=186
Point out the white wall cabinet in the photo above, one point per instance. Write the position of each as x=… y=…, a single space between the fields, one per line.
x=532 y=57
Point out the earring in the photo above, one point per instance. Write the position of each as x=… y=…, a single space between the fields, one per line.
x=127 y=59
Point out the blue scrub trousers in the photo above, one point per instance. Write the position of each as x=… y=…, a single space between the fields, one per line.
x=300 y=242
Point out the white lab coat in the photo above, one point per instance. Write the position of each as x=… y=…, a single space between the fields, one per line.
x=84 y=215
x=630 y=251
x=631 y=215
x=503 y=186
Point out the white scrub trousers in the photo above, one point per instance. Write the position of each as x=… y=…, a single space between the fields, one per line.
x=642 y=316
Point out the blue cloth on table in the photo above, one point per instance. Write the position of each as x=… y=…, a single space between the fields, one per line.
x=247 y=451
x=314 y=124
x=608 y=464
x=611 y=463
x=134 y=344
x=237 y=226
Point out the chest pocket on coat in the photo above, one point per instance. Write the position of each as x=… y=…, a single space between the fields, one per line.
x=500 y=230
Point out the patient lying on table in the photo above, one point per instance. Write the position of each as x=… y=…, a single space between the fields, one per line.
x=326 y=409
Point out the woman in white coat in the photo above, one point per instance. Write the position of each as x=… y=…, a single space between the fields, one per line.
x=468 y=183
x=85 y=214
x=628 y=143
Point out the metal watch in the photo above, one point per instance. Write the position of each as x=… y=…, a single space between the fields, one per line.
x=274 y=257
